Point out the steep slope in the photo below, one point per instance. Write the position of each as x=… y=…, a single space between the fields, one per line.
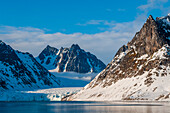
x=20 y=71
x=139 y=71
x=72 y=59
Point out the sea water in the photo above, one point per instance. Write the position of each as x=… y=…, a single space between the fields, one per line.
x=84 y=107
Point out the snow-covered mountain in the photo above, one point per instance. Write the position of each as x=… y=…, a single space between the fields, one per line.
x=140 y=70
x=73 y=59
x=21 y=71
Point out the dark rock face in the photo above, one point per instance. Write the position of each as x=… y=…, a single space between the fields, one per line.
x=70 y=59
x=21 y=71
x=148 y=40
x=47 y=51
x=164 y=27
x=142 y=54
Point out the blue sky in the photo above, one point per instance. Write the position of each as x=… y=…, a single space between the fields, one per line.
x=63 y=22
x=65 y=15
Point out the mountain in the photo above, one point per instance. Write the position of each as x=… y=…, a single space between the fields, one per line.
x=72 y=59
x=140 y=70
x=21 y=71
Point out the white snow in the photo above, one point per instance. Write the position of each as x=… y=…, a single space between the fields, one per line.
x=134 y=88
x=29 y=63
x=66 y=65
x=91 y=67
x=55 y=70
x=167 y=21
x=142 y=57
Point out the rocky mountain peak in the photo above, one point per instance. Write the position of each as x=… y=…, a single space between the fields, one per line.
x=48 y=51
x=48 y=46
x=148 y=39
x=51 y=49
x=1 y=42
x=7 y=54
x=139 y=71
x=150 y=18
x=75 y=47
x=72 y=59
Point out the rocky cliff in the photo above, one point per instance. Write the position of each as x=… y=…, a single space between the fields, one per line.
x=140 y=70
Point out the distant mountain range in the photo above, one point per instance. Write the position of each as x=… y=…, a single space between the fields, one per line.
x=21 y=71
x=140 y=70
x=73 y=59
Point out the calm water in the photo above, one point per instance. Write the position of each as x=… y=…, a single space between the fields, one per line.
x=84 y=107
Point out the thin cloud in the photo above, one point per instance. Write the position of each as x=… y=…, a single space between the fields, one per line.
x=109 y=10
x=7 y=29
x=98 y=22
x=121 y=10
x=153 y=4
x=92 y=22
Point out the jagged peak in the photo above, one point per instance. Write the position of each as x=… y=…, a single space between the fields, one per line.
x=1 y=42
x=148 y=40
x=61 y=48
x=50 y=48
x=47 y=51
x=75 y=46
x=150 y=19
x=147 y=25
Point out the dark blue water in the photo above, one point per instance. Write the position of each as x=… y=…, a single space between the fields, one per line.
x=84 y=107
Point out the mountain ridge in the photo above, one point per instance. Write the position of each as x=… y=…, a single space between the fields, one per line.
x=73 y=59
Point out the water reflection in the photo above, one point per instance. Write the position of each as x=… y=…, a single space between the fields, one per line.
x=84 y=107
